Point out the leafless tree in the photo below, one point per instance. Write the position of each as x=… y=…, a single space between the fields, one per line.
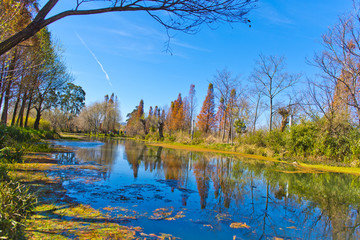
x=318 y=102
x=271 y=79
x=255 y=104
x=91 y=117
x=182 y=15
x=224 y=83
x=340 y=63
x=192 y=106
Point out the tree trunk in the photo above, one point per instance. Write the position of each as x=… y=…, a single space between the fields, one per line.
x=256 y=113
x=192 y=129
x=224 y=126
x=143 y=122
x=38 y=116
x=20 y=119
x=271 y=114
x=28 y=111
x=17 y=104
x=230 y=135
x=284 y=123
x=15 y=109
x=6 y=104
x=2 y=80
x=30 y=30
x=161 y=129
x=8 y=89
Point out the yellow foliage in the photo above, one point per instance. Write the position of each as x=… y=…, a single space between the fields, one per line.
x=239 y=225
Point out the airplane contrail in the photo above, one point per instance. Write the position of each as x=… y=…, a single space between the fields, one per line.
x=96 y=59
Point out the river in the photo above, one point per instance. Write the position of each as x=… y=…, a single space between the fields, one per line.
x=194 y=195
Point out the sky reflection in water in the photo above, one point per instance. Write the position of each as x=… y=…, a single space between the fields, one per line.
x=198 y=196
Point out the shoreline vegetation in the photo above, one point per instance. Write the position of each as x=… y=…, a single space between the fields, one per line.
x=230 y=149
x=33 y=202
x=318 y=167
x=56 y=216
x=40 y=207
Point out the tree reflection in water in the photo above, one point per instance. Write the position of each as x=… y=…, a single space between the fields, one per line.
x=275 y=200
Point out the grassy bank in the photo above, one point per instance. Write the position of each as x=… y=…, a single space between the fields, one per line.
x=33 y=202
x=16 y=200
x=317 y=167
x=55 y=216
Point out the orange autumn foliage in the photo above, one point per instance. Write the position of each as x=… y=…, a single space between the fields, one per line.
x=176 y=115
x=206 y=119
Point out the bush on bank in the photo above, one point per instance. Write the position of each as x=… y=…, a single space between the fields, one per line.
x=16 y=202
x=307 y=141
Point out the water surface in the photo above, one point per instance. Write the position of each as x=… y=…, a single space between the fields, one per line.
x=211 y=196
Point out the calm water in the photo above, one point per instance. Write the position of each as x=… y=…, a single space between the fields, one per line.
x=198 y=196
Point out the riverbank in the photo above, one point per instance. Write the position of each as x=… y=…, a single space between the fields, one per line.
x=56 y=216
x=310 y=166
x=304 y=166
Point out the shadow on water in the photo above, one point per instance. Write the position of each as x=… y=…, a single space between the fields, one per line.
x=204 y=196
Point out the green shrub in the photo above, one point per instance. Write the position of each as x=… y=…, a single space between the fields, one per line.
x=276 y=141
x=4 y=170
x=10 y=155
x=355 y=144
x=16 y=203
x=258 y=138
x=39 y=147
x=170 y=138
x=302 y=139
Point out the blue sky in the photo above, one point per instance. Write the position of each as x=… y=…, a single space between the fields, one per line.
x=125 y=53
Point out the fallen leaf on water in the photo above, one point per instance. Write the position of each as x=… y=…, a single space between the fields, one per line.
x=138 y=229
x=109 y=208
x=239 y=225
x=208 y=225
x=162 y=213
x=289 y=220
x=177 y=216
x=222 y=216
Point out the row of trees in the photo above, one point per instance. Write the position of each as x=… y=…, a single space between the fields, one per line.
x=35 y=83
x=228 y=107
x=33 y=76
x=178 y=117
x=272 y=98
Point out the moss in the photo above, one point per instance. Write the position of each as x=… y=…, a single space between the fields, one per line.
x=58 y=217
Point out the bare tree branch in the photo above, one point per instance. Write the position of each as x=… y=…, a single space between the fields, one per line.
x=271 y=80
x=183 y=15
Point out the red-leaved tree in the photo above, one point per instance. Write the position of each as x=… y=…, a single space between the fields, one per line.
x=206 y=119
